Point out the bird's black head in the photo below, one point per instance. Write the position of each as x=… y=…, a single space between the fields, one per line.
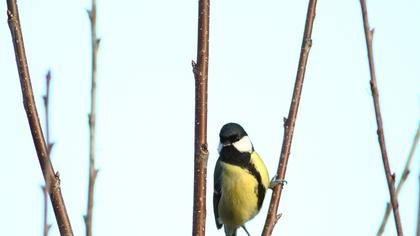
x=231 y=132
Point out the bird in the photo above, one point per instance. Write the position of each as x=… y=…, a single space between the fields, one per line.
x=241 y=180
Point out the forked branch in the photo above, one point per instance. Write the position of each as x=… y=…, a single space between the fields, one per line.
x=403 y=178
x=50 y=176
x=381 y=138
x=289 y=123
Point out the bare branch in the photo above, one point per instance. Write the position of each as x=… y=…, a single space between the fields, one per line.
x=403 y=178
x=200 y=70
x=381 y=137
x=46 y=98
x=289 y=123
x=46 y=226
x=92 y=120
x=31 y=112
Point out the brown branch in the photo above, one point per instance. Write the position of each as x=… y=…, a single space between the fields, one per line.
x=50 y=176
x=46 y=99
x=92 y=119
x=403 y=178
x=200 y=70
x=381 y=138
x=289 y=123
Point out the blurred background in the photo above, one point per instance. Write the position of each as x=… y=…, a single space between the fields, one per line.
x=145 y=112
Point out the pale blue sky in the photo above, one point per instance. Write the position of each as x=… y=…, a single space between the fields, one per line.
x=146 y=100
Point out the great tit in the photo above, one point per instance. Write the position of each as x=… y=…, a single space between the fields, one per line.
x=240 y=180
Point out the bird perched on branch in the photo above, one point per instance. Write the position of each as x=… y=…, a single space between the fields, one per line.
x=240 y=180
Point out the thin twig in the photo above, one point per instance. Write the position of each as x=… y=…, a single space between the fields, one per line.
x=381 y=138
x=46 y=99
x=403 y=178
x=50 y=176
x=289 y=123
x=418 y=212
x=92 y=119
x=200 y=70
x=46 y=226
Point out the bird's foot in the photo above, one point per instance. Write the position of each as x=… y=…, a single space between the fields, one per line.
x=274 y=182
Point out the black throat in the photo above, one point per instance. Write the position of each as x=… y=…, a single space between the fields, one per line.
x=231 y=155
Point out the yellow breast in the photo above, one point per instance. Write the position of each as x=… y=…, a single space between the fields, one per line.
x=238 y=202
x=262 y=169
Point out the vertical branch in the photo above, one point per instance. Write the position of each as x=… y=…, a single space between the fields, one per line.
x=46 y=226
x=289 y=123
x=50 y=176
x=92 y=119
x=389 y=177
x=403 y=178
x=200 y=70
x=418 y=212
x=46 y=99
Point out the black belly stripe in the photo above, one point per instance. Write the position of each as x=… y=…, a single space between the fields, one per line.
x=232 y=156
x=260 y=189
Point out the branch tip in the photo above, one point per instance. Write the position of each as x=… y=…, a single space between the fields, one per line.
x=278 y=216
x=195 y=68
x=50 y=146
x=89 y=12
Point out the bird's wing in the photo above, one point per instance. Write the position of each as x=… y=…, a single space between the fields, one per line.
x=217 y=192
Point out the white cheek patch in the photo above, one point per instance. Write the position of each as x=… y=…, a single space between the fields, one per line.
x=243 y=145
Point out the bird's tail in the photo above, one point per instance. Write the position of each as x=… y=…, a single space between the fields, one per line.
x=230 y=230
x=243 y=227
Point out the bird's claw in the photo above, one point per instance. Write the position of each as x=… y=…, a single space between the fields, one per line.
x=274 y=182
